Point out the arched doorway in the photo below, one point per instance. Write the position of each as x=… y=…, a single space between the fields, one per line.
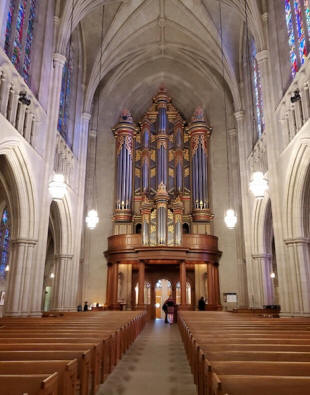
x=163 y=290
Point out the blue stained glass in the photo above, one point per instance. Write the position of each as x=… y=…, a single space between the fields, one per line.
x=65 y=96
x=258 y=97
x=307 y=13
x=300 y=31
x=4 y=241
x=29 y=39
x=19 y=35
x=291 y=36
x=9 y=26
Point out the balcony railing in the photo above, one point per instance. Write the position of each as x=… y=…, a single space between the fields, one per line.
x=24 y=117
x=294 y=109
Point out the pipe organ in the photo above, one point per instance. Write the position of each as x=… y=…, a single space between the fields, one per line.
x=162 y=213
x=162 y=174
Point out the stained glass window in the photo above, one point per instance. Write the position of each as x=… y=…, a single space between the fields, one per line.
x=65 y=96
x=19 y=35
x=4 y=242
x=257 y=94
x=297 y=15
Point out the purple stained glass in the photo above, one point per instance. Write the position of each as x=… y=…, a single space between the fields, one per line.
x=300 y=31
x=65 y=95
x=307 y=13
x=19 y=34
x=29 y=39
x=9 y=26
x=4 y=241
x=291 y=36
x=257 y=93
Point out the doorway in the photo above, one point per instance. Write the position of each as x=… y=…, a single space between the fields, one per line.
x=163 y=290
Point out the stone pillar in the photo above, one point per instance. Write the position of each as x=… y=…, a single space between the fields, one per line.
x=183 y=284
x=141 y=304
x=20 y=279
x=124 y=133
x=115 y=304
x=235 y=202
x=63 y=299
x=299 y=273
x=199 y=136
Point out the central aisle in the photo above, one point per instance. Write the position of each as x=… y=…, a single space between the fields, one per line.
x=156 y=364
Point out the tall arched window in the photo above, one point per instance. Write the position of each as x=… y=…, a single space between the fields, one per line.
x=19 y=35
x=4 y=241
x=65 y=96
x=257 y=92
x=297 y=15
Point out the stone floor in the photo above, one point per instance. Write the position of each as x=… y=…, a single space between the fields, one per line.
x=155 y=364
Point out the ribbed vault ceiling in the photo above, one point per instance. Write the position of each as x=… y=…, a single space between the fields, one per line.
x=149 y=42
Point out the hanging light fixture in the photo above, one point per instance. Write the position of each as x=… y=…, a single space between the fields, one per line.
x=7 y=268
x=52 y=275
x=273 y=275
x=92 y=218
x=230 y=217
x=57 y=187
x=258 y=184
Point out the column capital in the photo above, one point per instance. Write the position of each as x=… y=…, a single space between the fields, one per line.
x=59 y=59
x=232 y=132
x=297 y=240
x=22 y=241
x=86 y=116
x=261 y=256
x=239 y=115
x=262 y=56
x=64 y=256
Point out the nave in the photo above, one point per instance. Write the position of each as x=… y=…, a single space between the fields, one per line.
x=155 y=364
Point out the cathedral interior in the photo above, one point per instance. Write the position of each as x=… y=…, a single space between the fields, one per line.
x=153 y=149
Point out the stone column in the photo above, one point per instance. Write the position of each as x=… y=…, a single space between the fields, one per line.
x=114 y=293
x=200 y=282
x=20 y=279
x=62 y=299
x=235 y=201
x=299 y=273
x=141 y=304
x=183 y=284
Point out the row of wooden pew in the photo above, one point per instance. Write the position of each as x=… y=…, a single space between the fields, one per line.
x=64 y=355
x=244 y=354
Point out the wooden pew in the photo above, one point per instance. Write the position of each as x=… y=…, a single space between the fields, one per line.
x=31 y=384
x=83 y=358
x=67 y=372
x=96 y=354
x=258 y=385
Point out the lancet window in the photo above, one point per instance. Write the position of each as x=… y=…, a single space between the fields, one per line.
x=4 y=241
x=297 y=15
x=65 y=96
x=257 y=93
x=19 y=35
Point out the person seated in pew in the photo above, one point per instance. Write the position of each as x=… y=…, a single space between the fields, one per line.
x=85 y=306
x=201 y=304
